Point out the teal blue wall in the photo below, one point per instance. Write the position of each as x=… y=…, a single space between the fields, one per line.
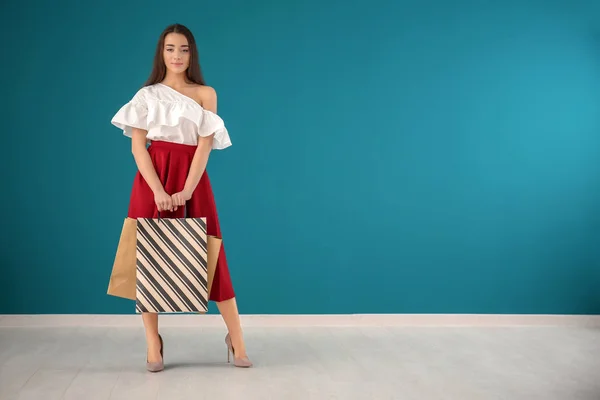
x=388 y=157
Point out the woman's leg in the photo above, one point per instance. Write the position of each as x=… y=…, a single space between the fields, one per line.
x=223 y=295
x=231 y=316
x=202 y=204
x=142 y=205
x=152 y=340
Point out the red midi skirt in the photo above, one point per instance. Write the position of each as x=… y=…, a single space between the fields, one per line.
x=172 y=162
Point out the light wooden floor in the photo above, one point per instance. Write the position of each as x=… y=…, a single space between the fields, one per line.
x=369 y=363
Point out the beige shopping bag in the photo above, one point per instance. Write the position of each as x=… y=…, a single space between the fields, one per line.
x=214 y=247
x=173 y=263
x=122 y=278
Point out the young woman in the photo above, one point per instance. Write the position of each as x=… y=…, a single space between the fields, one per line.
x=176 y=112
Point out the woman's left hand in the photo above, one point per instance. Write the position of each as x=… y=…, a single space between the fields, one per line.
x=180 y=198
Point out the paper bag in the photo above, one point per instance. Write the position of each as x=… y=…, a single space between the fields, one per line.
x=122 y=278
x=171 y=265
x=214 y=248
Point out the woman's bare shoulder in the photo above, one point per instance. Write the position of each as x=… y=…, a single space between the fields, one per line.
x=207 y=97
x=206 y=92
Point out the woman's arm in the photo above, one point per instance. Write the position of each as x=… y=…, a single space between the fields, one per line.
x=199 y=163
x=201 y=154
x=146 y=167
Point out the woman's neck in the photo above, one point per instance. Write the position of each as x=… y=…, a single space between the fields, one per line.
x=175 y=80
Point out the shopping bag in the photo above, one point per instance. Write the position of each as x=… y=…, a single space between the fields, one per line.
x=214 y=248
x=122 y=278
x=171 y=265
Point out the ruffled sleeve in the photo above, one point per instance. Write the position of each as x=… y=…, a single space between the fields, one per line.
x=133 y=114
x=211 y=123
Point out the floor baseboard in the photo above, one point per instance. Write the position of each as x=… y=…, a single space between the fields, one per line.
x=328 y=320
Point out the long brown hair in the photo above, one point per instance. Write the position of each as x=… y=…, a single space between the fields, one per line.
x=159 y=70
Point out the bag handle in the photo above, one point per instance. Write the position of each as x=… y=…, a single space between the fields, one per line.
x=185 y=209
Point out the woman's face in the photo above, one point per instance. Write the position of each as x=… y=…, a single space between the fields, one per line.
x=176 y=53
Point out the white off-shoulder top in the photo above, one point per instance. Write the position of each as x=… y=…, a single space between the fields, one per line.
x=170 y=116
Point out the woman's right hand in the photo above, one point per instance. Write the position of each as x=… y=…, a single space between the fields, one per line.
x=163 y=201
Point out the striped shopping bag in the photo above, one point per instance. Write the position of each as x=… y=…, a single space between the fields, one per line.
x=171 y=265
